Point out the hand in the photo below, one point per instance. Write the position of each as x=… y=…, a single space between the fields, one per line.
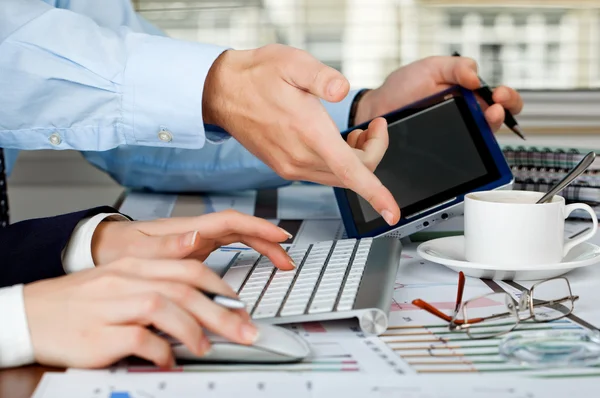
x=95 y=317
x=268 y=99
x=429 y=76
x=188 y=237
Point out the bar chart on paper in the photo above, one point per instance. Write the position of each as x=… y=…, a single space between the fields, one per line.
x=428 y=347
x=270 y=385
x=333 y=351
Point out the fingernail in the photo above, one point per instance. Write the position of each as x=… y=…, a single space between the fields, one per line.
x=388 y=216
x=189 y=239
x=335 y=86
x=293 y=263
x=249 y=333
x=290 y=236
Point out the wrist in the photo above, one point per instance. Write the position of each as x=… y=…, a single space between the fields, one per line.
x=213 y=86
x=106 y=242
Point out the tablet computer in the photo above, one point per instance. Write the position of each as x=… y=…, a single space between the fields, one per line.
x=440 y=149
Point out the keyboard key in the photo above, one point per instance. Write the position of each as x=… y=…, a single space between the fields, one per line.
x=245 y=259
x=268 y=313
x=293 y=310
x=316 y=308
x=234 y=277
x=345 y=305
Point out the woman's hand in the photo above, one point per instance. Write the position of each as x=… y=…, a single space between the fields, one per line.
x=95 y=317
x=188 y=237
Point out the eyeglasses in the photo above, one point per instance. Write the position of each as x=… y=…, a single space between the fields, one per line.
x=546 y=301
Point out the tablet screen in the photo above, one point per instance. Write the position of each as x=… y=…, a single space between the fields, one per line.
x=433 y=155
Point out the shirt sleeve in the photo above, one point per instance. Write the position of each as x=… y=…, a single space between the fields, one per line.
x=77 y=255
x=213 y=168
x=16 y=348
x=75 y=84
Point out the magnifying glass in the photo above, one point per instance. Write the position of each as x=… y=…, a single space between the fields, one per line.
x=553 y=348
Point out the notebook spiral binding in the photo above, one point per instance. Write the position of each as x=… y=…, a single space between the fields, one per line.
x=536 y=169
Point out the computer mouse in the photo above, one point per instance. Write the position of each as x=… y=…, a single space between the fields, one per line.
x=274 y=345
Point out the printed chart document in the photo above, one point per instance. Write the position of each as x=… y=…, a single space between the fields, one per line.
x=416 y=343
x=297 y=201
x=269 y=385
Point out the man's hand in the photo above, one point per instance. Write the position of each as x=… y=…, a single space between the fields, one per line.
x=188 y=237
x=268 y=99
x=429 y=76
x=95 y=317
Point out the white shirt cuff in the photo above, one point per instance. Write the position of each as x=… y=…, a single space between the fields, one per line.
x=77 y=255
x=15 y=342
x=163 y=89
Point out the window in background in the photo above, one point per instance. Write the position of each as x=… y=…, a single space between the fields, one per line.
x=532 y=45
x=525 y=43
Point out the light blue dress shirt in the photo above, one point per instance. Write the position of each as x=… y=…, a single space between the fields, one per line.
x=96 y=77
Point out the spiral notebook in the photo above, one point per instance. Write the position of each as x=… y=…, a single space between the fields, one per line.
x=539 y=168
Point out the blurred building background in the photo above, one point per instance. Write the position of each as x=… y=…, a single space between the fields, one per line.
x=548 y=49
x=528 y=44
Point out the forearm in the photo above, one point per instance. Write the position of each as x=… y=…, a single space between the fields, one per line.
x=99 y=88
x=33 y=250
x=228 y=166
x=15 y=342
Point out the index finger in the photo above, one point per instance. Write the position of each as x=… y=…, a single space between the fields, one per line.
x=353 y=174
x=217 y=225
x=455 y=70
x=190 y=272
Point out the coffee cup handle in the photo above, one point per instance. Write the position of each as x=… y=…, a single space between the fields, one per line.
x=574 y=242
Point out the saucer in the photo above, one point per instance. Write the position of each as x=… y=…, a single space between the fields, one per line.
x=450 y=251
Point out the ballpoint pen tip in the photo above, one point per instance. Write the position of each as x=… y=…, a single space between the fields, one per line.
x=518 y=132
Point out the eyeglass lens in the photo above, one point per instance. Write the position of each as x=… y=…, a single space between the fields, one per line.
x=552 y=300
x=499 y=311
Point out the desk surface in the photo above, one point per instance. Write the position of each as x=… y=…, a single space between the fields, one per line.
x=21 y=382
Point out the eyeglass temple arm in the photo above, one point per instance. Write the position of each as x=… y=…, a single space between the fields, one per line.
x=459 y=292
x=431 y=309
x=434 y=311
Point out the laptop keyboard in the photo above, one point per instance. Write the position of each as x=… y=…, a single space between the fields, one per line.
x=326 y=279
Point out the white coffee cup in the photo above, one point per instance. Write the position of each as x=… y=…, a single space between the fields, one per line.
x=507 y=228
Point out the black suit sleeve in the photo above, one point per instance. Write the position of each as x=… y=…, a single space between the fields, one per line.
x=32 y=250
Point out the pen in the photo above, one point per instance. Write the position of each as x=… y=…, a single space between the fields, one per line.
x=486 y=93
x=227 y=302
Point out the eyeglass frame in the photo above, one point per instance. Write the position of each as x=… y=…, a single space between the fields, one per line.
x=525 y=301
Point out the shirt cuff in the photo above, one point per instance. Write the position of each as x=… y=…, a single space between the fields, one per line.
x=340 y=111
x=163 y=89
x=16 y=348
x=77 y=255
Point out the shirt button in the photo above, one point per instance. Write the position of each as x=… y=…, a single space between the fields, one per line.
x=165 y=136
x=55 y=139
